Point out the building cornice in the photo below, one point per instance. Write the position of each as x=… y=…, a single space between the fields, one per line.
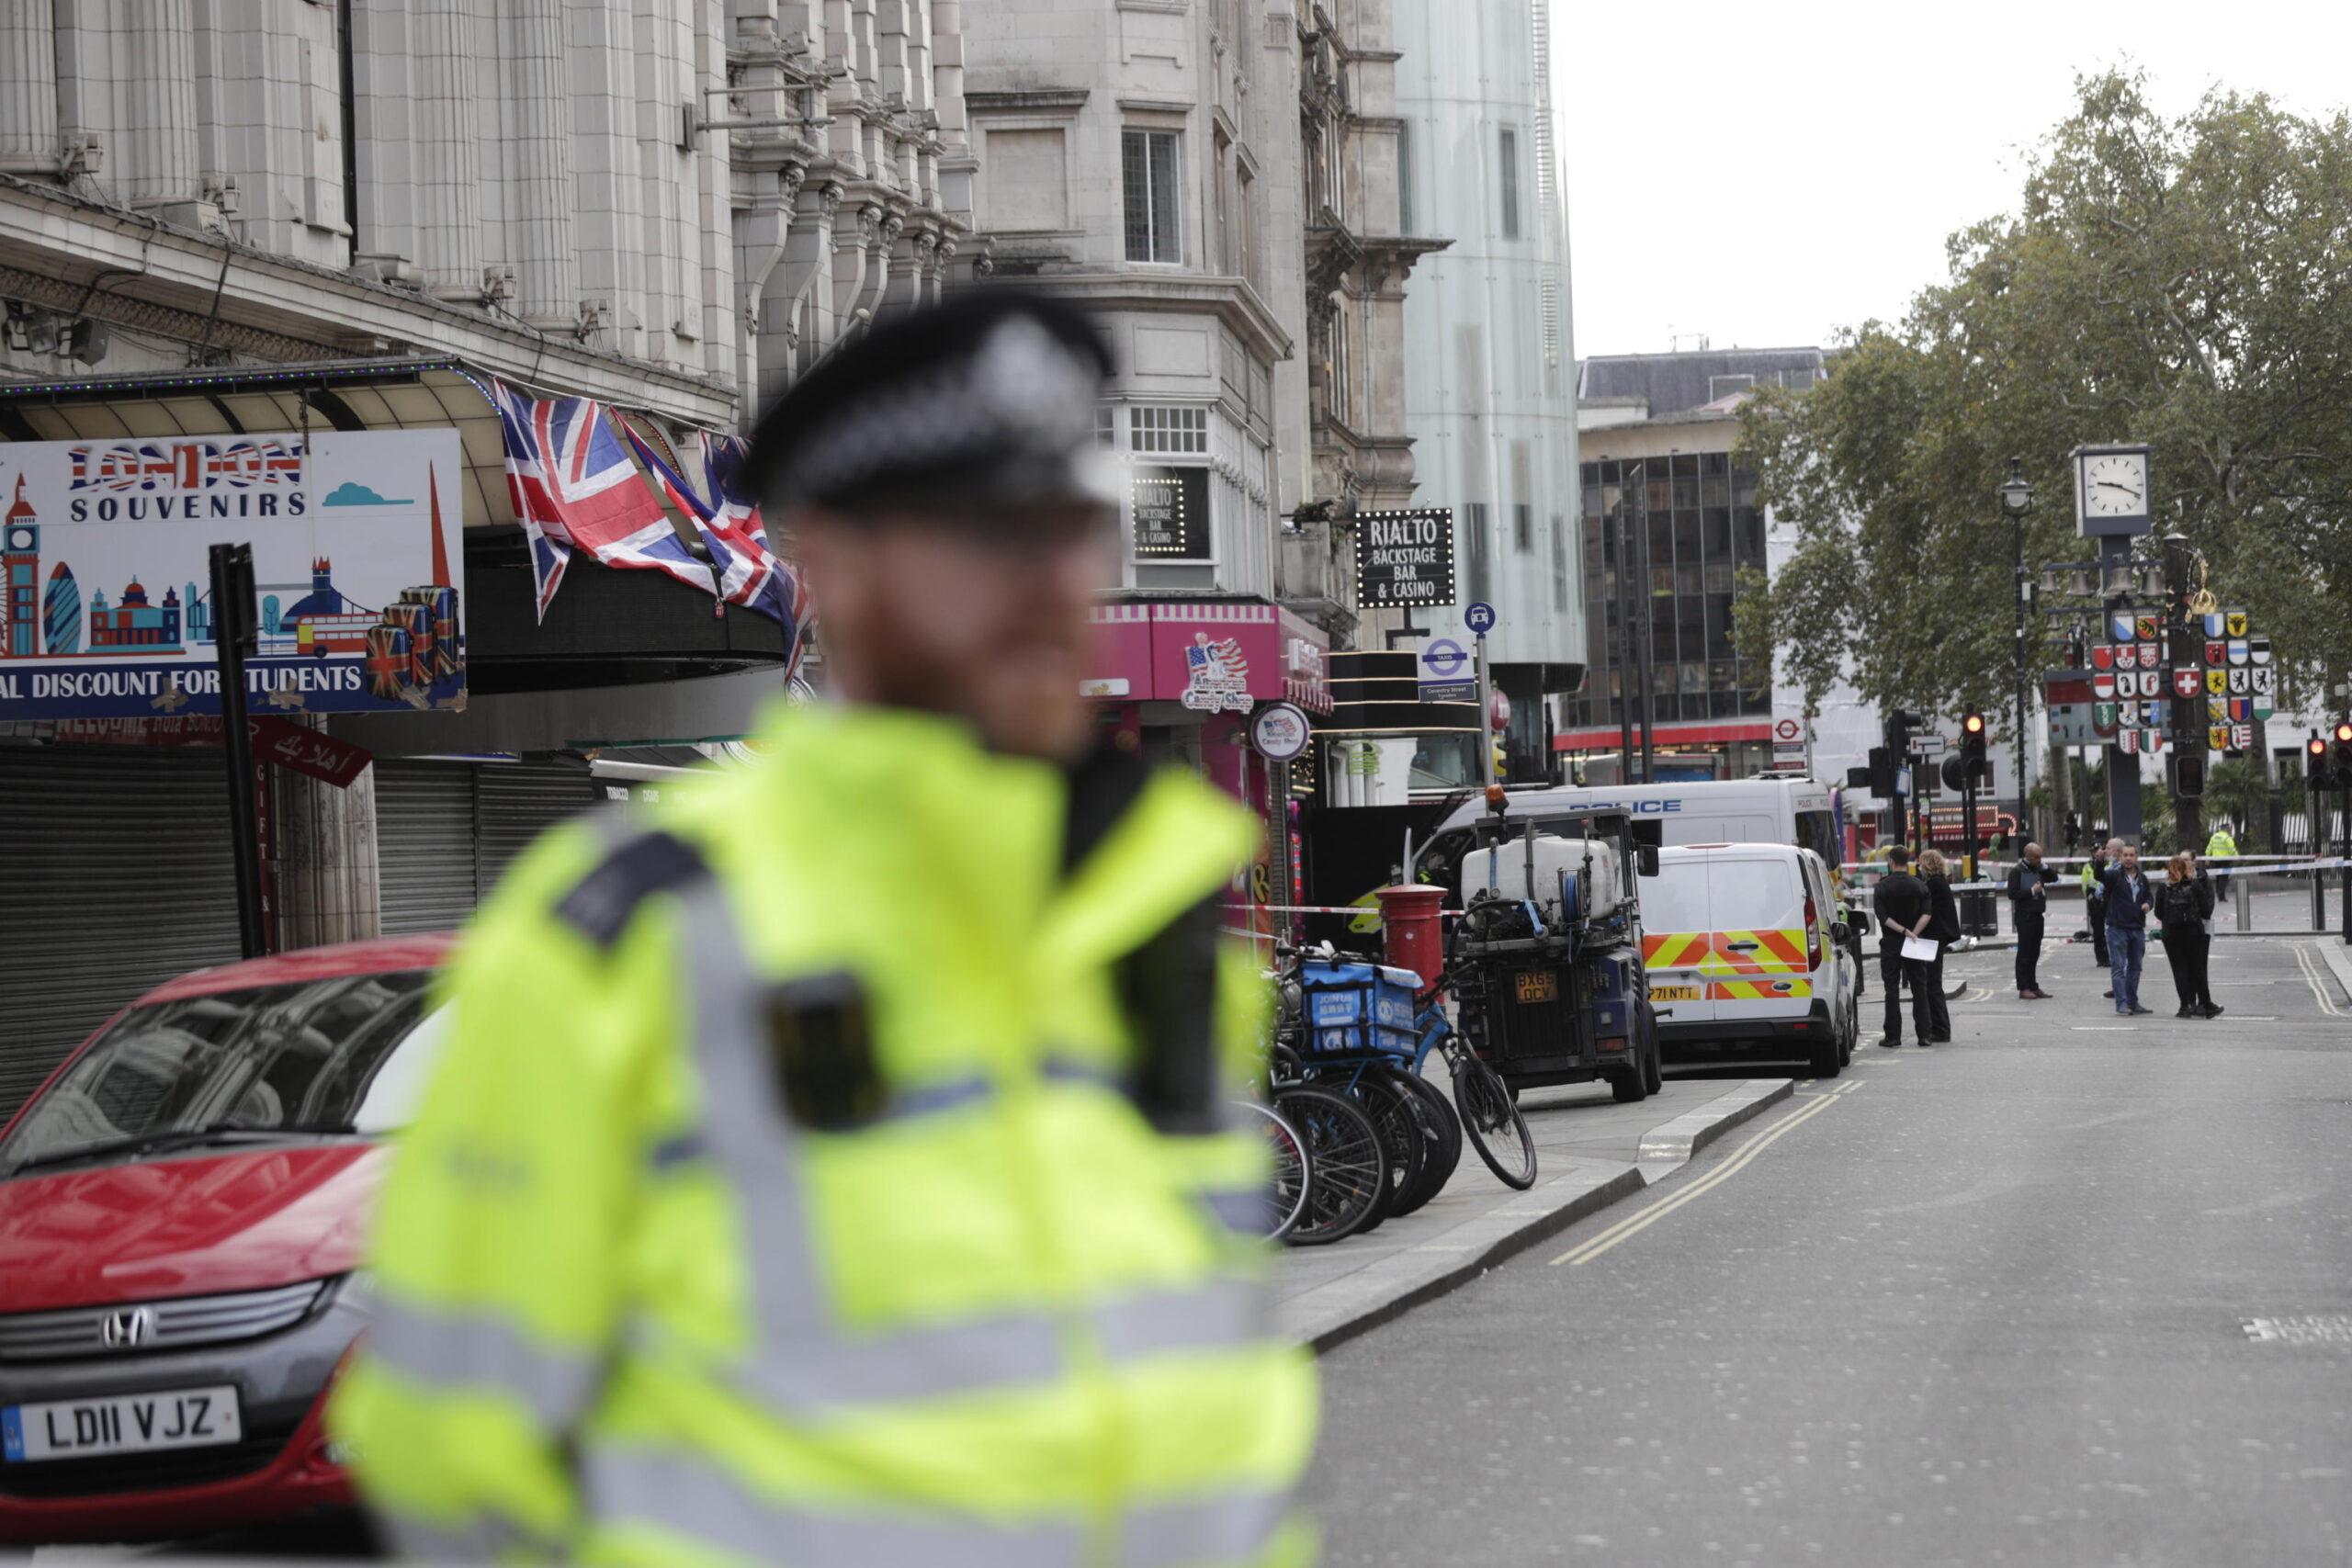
x=1232 y=299
x=109 y=253
x=1040 y=100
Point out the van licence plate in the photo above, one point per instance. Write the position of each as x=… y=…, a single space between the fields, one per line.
x=1538 y=986
x=1673 y=993
x=122 y=1424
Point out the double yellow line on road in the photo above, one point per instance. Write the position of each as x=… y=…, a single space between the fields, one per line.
x=1633 y=1224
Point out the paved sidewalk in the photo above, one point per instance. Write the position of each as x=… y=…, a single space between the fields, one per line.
x=1590 y=1153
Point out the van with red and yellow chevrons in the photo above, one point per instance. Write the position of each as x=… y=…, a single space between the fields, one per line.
x=1747 y=957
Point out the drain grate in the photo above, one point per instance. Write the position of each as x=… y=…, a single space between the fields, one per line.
x=2317 y=1329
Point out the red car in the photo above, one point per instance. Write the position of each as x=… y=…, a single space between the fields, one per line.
x=182 y=1207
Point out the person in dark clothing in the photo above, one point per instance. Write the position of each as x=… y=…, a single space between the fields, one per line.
x=2129 y=899
x=2094 y=897
x=2028 y=887
x=2184 y=910
x=1904 y=906
x=1943 y=928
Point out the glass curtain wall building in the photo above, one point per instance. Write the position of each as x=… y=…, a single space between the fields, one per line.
x=1490 y=369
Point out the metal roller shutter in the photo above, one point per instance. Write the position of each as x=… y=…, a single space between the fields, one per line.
x=425 y=845
x=446 y=831
x=514 y=803
x=114 y=876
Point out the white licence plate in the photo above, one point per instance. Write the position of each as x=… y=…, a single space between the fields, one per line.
x=124 y=1423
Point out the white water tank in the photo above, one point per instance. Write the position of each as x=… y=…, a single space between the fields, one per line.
x=1593 y=862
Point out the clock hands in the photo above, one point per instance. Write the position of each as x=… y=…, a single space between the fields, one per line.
x=2110 y=484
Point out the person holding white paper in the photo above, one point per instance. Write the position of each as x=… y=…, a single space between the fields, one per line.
x=1943 y=929
x=1904 y=908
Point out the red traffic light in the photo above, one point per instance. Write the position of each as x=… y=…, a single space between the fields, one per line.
x=2316 y=746
x=1973 y=723
x=2344 y=733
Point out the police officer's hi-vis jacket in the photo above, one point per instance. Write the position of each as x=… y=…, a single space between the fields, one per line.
x=824 y=1171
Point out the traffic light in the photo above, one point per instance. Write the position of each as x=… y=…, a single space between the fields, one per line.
x=1975 y=765
x=2344 y=754
x=2189 y=774
x=1955 y=772
x=1885 y=772
x=2317 y=770
x=1898 y=733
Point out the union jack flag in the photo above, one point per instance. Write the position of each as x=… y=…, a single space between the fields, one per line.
x=750 y=573
x=574 y=488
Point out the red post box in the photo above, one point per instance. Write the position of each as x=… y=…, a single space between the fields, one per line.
x=1413 y=932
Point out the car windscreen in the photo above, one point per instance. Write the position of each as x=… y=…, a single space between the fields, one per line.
x=344 y=1055
x=1676 y=899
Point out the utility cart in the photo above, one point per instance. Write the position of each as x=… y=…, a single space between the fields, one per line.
x=1545 y=964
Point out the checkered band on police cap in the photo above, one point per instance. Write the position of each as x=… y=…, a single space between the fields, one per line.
x=984 y=400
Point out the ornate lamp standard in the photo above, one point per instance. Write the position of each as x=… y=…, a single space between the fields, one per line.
x=2017 y=500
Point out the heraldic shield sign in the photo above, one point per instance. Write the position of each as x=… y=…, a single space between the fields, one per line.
x=2103 y=656
x=2102 y=685
x=2103 y=717
x=2185 y=683
x=2216 y=654
x=2235 y=623
x=2216 y=681
x=2127 y=656
x=2257 y=648
x=2119 y=627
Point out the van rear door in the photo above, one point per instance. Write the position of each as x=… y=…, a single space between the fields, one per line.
x=1758 y=971
x=1676 y=938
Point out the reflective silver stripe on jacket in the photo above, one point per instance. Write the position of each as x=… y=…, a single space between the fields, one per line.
x=699 y=1500
x=696 y=1499
x=482 y=1351
x=809 y=1364
x=1238 y=1527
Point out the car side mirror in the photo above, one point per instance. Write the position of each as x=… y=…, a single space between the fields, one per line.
x=1861 y=921
x=1840 y=932
x=1645 y=860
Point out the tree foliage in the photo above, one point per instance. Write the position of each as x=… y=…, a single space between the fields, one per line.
x=2183 y=282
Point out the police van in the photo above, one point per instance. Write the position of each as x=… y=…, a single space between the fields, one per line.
x=1801 y=812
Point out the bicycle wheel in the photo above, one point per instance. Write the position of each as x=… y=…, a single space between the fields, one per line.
x=1492 y=1122
x=1442 y=1127
x=1286 y=1196
x=1402 y=1138
x=1347 y=1174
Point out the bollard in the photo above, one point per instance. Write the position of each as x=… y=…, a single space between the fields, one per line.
x=2242 y=899
x=1413 y=931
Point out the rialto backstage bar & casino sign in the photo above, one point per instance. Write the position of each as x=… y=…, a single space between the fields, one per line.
x=1404 y=558
x=105 y=585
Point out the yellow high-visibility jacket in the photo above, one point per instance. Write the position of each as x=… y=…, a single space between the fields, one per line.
x=817 y=1175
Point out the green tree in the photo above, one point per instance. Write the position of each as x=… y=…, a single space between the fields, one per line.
x=2183 y=282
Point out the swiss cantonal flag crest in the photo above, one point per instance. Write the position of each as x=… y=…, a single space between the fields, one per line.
x=2127 y=656
x=2103 y=657
x=2103 y=717
x=2102 y=686
x=2217 y=654
x=2188 y=682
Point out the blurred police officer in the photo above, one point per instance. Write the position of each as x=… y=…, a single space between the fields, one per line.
x=827 y=1169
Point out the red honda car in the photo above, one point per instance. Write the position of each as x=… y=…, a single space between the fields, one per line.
x=182 y=1207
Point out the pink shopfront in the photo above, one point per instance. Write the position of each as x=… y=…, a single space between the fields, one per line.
x=1179 y=678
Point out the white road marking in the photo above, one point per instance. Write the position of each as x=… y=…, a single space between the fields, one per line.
x=2307 y=956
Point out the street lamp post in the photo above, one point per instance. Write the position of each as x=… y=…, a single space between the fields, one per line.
x=2017 y=500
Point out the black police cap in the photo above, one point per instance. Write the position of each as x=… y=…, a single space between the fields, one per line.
x=983 y=402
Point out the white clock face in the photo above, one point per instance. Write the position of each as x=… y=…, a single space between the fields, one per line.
x=20 y=538
x=2115 y=484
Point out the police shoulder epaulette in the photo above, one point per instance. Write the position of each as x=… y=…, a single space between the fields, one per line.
x=636 y=867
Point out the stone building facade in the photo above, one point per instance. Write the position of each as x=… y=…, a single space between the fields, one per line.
x=681 y=200
x=222 y=218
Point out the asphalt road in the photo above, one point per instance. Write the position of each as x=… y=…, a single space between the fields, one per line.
x=1983 y=1303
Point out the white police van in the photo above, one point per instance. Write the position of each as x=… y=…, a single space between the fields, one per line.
x=1715 y=811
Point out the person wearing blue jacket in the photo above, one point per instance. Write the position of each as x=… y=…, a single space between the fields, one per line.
x=2129 y=899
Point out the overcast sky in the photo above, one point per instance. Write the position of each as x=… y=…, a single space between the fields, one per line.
x=1762 y=174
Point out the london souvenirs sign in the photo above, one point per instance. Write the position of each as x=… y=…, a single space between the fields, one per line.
x=104 y=600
